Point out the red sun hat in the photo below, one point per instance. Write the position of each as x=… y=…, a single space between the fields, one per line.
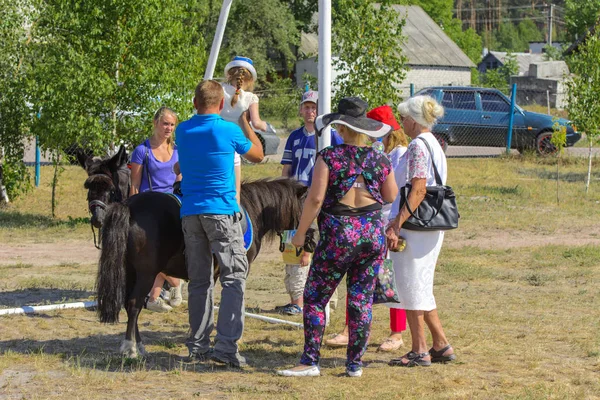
x=384 y=114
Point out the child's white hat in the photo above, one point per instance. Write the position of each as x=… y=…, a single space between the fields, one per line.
x=244 y=62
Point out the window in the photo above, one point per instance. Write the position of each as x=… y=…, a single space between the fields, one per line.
x=459 y=100
x=493 y=102
x=447 y=100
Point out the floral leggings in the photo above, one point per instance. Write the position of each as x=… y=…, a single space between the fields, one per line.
x=352 y=245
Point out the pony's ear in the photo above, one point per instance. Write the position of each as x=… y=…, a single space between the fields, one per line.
x=84 y=160
x=119 y=159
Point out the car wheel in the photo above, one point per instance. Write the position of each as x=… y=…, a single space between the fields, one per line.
x=543 y=144
x=442 y=141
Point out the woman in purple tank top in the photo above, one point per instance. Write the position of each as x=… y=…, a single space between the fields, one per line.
x=152 y=170
x=152 y=161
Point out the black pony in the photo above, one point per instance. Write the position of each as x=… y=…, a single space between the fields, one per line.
x=107 y=182
x=142 y=237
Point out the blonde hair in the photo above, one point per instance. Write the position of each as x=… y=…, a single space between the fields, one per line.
x=396 y=138
x=159 y=115
x=355 y=138
x=423 y=109
x=241 y=78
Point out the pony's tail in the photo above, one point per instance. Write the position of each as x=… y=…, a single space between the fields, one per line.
x=111 y=280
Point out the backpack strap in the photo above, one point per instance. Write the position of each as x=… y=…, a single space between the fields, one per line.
x=146 y=162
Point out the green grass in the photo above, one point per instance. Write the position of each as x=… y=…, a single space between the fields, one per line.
x=521 y=321
x=516 y=287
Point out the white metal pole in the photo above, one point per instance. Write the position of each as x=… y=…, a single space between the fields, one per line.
x=324 y=67
x=50 y=307
x=325 y=82
x=216 y=44
x=269 y=319
x=550 y=24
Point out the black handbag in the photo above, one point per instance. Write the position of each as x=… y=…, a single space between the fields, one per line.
x=437 y=211
x=385 y=284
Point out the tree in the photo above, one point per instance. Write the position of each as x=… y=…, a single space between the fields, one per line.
x=500 y=78
x=441 y=12
x=468 y=40
x=580 y=16
x=16 y=17
x=582 y=93
x=528 y=32
x=265 y=31
x=365 y=40
x=507 y=38
x=102 y=67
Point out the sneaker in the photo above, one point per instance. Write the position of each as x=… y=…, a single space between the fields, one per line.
x=308 y=370
x=292 y=309
x=281 y=308
x=230 y=359
x=164 y=294
x=175 y=295
x=194 y=358
x=355 y=372
x=158 y=305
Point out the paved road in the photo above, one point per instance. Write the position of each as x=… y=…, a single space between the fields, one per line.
x=466 y=151
x=453 y=151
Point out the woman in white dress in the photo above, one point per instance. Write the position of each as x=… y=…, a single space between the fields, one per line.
x=414 y=277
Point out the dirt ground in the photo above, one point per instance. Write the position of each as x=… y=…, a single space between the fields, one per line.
x=84 y=252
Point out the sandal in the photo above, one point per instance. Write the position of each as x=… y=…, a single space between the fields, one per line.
x=390 y=344
x=338 y=340
x=414 y=360
x=437 y=356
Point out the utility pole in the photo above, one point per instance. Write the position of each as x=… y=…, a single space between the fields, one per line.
x=550 y=16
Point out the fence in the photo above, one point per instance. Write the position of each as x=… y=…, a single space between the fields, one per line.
x=482 y=122
x=476 y=121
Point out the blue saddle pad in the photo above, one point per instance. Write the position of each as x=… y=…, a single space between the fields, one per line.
x=176 y=197
x=249 y=233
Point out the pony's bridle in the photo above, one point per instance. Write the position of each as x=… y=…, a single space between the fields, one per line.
x=115 y=196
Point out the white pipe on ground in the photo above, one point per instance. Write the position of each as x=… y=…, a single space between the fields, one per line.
x=89 y=304
x=50 y=307
x=270 y=319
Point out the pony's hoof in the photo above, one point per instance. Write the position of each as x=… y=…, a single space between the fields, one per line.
x=142 y=350
x=129 y=349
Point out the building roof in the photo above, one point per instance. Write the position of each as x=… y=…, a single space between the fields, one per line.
x=424 y=44
x=523 y=59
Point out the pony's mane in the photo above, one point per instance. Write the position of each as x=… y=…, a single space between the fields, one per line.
x=99 y=182
x=274 y=205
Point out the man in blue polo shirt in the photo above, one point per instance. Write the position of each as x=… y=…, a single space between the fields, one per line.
x=211 y=222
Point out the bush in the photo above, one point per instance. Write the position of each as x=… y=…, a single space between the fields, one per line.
x=280 y=102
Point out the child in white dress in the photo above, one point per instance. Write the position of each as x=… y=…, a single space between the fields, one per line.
x=240 y=76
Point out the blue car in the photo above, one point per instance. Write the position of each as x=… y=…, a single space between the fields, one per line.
x=480 y=117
